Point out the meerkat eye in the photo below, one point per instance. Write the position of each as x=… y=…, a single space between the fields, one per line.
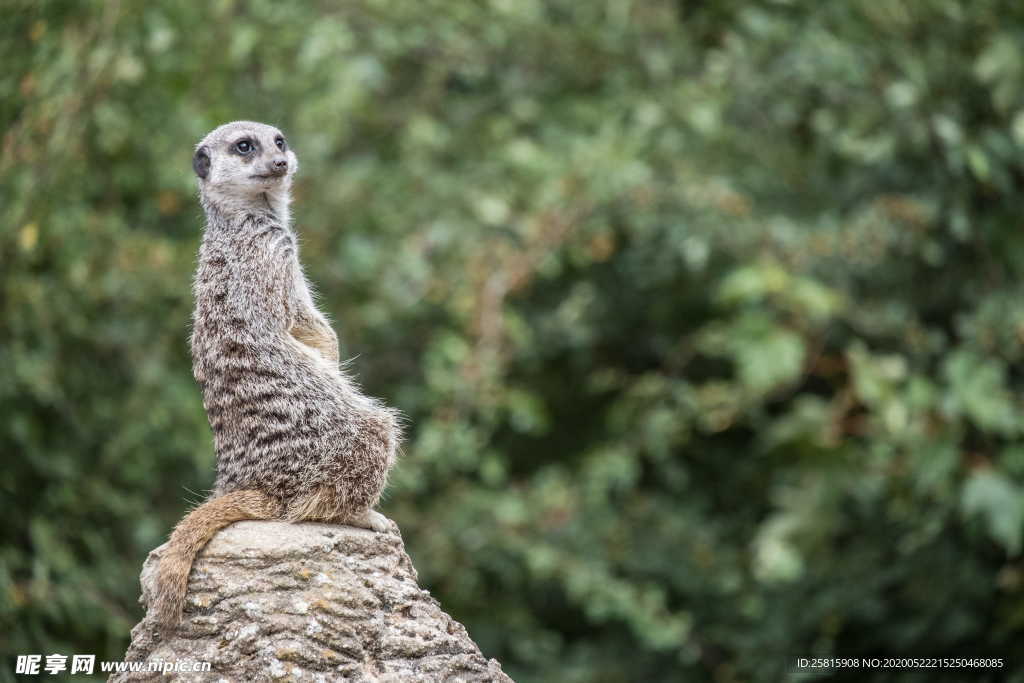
x=280 y=143
x=243 y=147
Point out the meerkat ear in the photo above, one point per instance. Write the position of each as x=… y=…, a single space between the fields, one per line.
x=201 y=162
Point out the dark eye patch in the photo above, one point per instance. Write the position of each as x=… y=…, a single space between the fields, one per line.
x=281 y=144
x=245 y=147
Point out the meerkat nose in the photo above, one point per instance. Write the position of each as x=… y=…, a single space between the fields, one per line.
x=279 y=166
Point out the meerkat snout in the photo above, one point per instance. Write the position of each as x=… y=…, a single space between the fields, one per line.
x=278 y=167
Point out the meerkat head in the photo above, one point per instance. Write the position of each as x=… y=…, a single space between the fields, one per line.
x=243 y=165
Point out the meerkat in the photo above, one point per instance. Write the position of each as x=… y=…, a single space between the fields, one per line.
x=295 y=439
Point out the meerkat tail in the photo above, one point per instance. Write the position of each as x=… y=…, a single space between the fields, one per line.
x=189 y=537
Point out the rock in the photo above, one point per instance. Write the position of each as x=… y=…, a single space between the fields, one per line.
x=307 y=602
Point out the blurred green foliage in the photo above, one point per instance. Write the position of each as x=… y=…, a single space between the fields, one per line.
x=707 y=317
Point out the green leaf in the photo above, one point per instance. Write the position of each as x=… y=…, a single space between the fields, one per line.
x=1000 y=502
x=977 y=389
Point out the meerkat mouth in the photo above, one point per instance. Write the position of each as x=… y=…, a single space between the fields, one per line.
x=266 y=177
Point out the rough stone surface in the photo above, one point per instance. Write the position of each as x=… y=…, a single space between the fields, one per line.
x=308 y=602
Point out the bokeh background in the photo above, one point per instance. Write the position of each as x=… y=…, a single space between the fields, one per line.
x=707 y=317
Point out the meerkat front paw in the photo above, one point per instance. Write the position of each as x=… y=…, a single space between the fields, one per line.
x=372 y=520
